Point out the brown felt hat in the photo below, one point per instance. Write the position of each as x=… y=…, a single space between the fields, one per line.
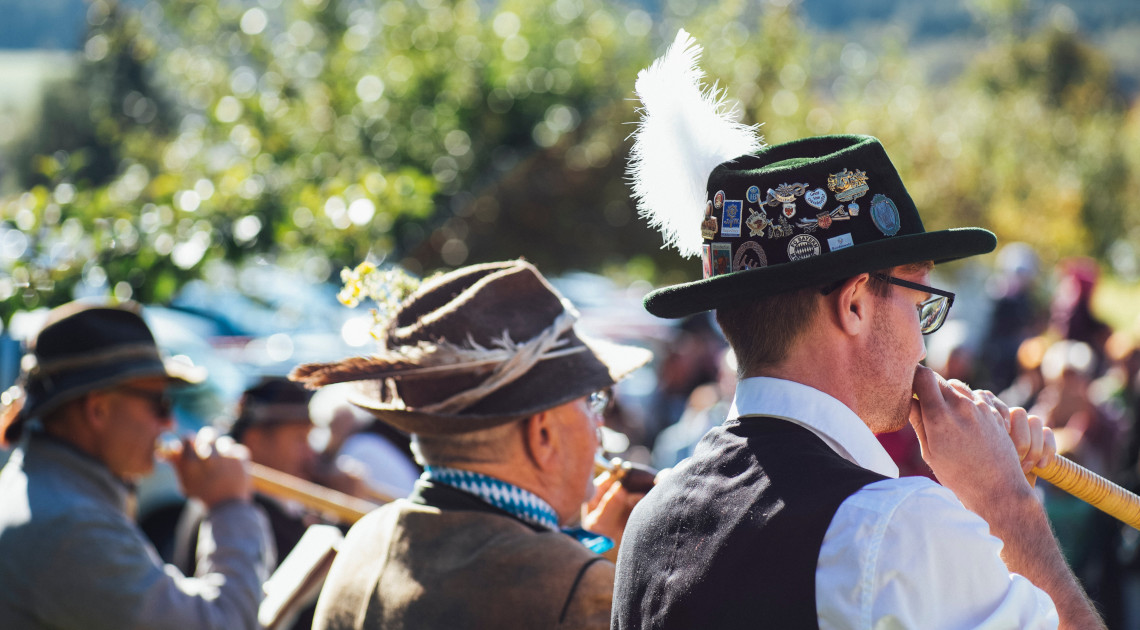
x=478 y=347
x=85 y=347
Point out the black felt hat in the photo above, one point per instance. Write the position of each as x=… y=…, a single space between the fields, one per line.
x=807 y=213
x=86 y=347
x=475 y=348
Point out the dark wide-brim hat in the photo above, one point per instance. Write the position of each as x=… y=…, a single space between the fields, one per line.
x=85 y=347
x=478 y=347
x=807 y=213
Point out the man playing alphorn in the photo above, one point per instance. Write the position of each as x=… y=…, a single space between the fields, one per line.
x=503 y=400
x=791 y=515
x=70 y=554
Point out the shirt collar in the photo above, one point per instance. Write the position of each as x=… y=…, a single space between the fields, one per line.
x=523 y=504
x=818 y=412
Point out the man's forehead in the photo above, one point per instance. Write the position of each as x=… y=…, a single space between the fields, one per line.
x=913 y=270
x=157 y=383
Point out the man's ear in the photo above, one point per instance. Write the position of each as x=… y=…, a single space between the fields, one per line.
x=97 y=410
x=850 y=304
x=541 y=439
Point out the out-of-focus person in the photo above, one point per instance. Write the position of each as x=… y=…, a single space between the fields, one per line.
x=690 y=359
x=1090 y=432
x=707 y=407
x=504 y=401
x=273 y=423
x=95 y=402
x=362 y=445
x=1071 y=315
x=1083 y=430
x=1015 y=317
x=1029 y=382
x=1121 y=387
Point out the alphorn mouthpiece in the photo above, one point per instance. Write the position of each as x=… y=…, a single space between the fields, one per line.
x=635 y=477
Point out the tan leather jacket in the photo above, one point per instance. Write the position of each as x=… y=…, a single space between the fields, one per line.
x=464 y=565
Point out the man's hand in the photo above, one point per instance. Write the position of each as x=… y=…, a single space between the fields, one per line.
x=213 y=469
x=976 y=445
x=608 y=512
x=982 y=450
x=1035 y=443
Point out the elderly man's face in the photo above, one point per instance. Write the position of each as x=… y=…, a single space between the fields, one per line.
x=579 y=428
x=137 y=415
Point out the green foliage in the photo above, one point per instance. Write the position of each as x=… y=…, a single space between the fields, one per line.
x=320 y=133
x=431 y=133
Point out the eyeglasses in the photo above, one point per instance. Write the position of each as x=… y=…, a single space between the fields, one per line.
x=160 y=402
x=597 y=403
x=932 y=312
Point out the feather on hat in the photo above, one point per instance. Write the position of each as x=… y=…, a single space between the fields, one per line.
x=685 y=131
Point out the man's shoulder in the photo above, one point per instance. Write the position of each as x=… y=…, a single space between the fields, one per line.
x=902 y=495
x=902 y=509
x=50 y=503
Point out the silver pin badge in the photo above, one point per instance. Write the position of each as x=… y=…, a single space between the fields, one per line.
x=885 y=215
x=803 y=246
x=749 y=255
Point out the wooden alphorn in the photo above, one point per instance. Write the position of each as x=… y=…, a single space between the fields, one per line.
x=314 y=496
x=351 y=509
x=1092 y=489
x=1062 y=473
x=282 y=485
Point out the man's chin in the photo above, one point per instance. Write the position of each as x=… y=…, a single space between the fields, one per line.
x=889 y=423
x=138 y=473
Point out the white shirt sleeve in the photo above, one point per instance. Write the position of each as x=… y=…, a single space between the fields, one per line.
x=905 y=553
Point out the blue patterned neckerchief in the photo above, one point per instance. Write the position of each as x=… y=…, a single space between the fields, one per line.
x=522 y=504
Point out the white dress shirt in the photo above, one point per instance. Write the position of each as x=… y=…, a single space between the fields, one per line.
x=899 y=553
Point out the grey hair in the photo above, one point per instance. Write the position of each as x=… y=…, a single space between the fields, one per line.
x=475 y=447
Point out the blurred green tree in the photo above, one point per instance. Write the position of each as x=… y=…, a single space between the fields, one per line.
x=321 y=132
x=441 y=132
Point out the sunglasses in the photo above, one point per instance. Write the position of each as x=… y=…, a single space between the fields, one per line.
x=160 y=402
x=932 y=312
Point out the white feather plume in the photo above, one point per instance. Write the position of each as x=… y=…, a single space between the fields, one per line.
x=685 y=131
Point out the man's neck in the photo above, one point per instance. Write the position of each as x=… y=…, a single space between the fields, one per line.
x=516 y=473
x=819 y=367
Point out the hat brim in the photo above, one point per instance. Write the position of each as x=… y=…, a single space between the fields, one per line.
x=618 y=362
x=73 y=385
x=740 y=287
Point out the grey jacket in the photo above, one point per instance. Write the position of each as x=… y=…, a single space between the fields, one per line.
x=417 y=565
x=71 y=558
